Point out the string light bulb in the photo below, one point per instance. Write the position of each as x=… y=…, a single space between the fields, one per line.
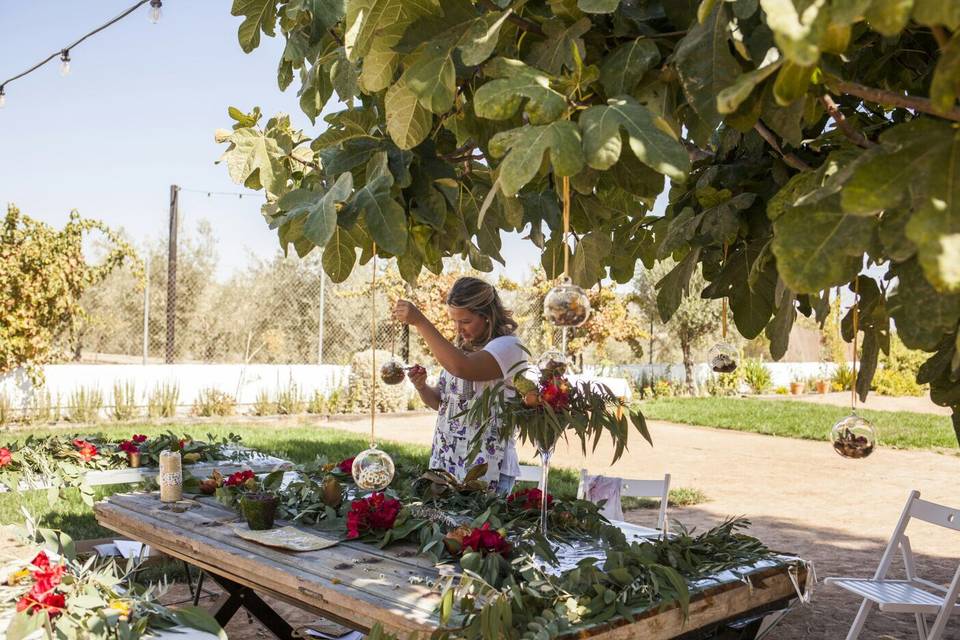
x=156 y=11
x=65 y=63
x=3 y=97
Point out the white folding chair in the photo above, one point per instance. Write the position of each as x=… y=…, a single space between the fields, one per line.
x=913 y=595
x=634 y=488
x=529 y=473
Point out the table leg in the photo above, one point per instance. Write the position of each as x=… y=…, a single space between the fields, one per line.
x=241 y=596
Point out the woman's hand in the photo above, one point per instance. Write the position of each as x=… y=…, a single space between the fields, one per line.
x=406 y=312
x=418 y=376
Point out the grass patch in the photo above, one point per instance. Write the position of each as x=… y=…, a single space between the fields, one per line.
x=805 y=420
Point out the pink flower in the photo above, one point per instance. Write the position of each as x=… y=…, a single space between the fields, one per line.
x=6 y=457
x=139 y=438
x=128 y=447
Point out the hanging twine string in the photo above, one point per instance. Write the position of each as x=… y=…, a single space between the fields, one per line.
x=373 y=348
x=724 y=319
x=856 y=329
x=566 y=226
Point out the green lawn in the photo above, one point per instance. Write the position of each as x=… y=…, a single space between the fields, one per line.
x=299 y=443
x=792 y=419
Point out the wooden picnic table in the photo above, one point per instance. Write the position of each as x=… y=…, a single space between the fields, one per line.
x=258 y=462
x=359 y=585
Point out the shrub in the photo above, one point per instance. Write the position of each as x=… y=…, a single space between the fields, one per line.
x=781 y=391
x=842 y=378
x=290 y=401
x=263 y=405
x=335 y=401
x=213 y=402
x=162 y=401
x=124 y=401
x=390 y=398
x=318 y=404
x=724 y=384
x=84 y=405
x=756 y=375
x=6 y=409
x=42 y=409
x=890 y=382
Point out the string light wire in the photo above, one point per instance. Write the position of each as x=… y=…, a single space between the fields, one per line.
x=64 y=52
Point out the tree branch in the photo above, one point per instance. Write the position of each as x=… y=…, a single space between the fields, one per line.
x=789 y=158
x=523 y=23
x=852 y=133
x=312 y=165
x=882 y=96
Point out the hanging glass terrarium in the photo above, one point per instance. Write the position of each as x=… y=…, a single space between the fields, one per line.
x=566 y=305
x=854 y=437
x=392 y=372
x=373 y=469
x=552 y=362
x=723 y=358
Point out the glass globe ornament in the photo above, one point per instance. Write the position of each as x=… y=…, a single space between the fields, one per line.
x=553 y=362
x=854 y=437
x=723 y=358
x=392 y=372
x=373 y=469
x=566 y=305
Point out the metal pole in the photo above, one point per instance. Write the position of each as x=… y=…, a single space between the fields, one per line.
x=650 y=355
x=323 y=283
x=172 y=272
x=146 y=309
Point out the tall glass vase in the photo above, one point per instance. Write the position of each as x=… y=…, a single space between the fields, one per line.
x=546 y=452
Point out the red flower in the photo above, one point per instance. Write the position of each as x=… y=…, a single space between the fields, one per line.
x=47 y=580
x=528 y=498
x=139 y=439
x=5 y=456
x=239 y=478
x=375 y=513
x=346 y=465
x=183 y=441
x=87 y=451
x=128 y=447
x=555 y=393
x=486 y=540
x=52 y=603
x=41 y=561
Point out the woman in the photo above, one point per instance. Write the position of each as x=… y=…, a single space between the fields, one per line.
x=486 y=352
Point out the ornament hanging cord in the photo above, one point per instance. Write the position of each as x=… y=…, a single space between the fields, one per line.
x=566 y=249
x=724 y=317
x=373 y=348
x=856 y=329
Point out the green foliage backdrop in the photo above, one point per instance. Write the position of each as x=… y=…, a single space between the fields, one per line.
x=802 y=141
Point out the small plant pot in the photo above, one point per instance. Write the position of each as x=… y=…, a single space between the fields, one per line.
x=822 y=386
x=133 y=459
x=796 y=388
x=259 y=509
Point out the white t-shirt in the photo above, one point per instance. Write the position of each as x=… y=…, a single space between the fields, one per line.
x=510 y=355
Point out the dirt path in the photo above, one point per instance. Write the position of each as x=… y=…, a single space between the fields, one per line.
x=802 y=498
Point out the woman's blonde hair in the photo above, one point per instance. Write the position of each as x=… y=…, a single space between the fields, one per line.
x=473 y=294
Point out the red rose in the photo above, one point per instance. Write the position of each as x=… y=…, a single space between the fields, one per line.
x=128 y=447
x=528 y=499
x=238 y=478
x=48 y=579
x=486 y=540
x=346 y=465
x=374 y=513
x=86 y=450
x=183 y=441
x=139 y=439
x=5 y=456
x=555 y=395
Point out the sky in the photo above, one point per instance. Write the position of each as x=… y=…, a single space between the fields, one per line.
x=137 y=113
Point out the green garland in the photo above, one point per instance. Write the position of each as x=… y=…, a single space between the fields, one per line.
x=502 y=588
x=61 y=462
